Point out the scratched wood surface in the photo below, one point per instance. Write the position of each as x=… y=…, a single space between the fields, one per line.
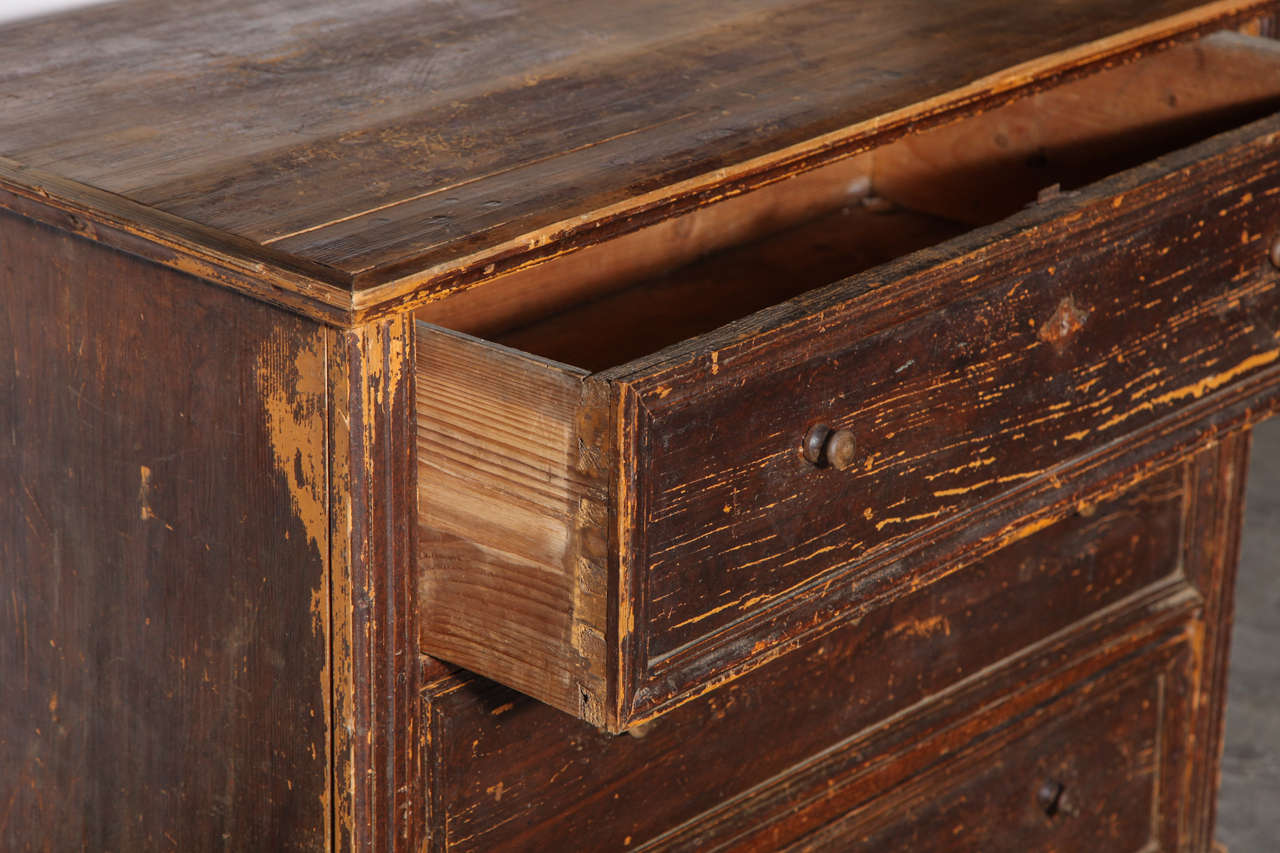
x=986 y=363
x=454 y=141
x=509 y=773
x=379 y=791
x=1109 y=744
x=908 y=194
x=164 y=546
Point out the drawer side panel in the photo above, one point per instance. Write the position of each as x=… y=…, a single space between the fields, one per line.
x=512 y=504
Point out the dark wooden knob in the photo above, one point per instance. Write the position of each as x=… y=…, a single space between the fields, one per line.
x=1274 y=252
x=825 y=446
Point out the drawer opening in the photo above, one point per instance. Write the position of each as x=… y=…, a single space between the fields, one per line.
x=631 y=296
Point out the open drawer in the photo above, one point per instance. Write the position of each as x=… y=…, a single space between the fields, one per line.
x=660 y=462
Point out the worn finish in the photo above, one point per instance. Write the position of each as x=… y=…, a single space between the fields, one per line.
x=978 y=170
x=952 y=377
x=1109 y=744
x=913 y=671
x=164 y=551
x=988 y=609
x=466 y=144
x=840 y=220
x=378 y=788
x=940 y=368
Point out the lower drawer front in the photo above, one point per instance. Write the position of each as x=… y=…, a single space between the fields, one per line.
x=513 y=774
x=1078 y=775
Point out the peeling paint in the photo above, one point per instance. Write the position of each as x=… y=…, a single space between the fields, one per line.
x=292 y=391
x=144 y=494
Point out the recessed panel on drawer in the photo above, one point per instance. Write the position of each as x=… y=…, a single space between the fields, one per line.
x=516 y=774
x=1080 y=776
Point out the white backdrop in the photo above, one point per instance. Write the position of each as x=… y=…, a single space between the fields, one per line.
x=10 y=9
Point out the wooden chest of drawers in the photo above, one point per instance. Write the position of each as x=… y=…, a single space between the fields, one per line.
x=531 y=426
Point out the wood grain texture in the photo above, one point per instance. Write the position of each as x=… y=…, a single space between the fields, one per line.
x=379 y=794
x=512 y=774
x=1191 y=700
x=978 y=170
x=1108 y=743
x=480 y=138
x=164 y=546
x=234 y=263
x=830 y=223
x=513 y=509
x=951 y=370
x=541 y=292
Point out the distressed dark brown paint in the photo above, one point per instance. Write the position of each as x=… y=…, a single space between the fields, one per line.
x=1211 y=556
x=1107 y=744
x=163 y=559
x=280 y=446
x=953 y=393
x=976 y=378
x=378 y=790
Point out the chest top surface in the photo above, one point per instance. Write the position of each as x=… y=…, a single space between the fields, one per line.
x=394 y=150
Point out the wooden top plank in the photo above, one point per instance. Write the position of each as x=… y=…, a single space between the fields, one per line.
x=399 y=149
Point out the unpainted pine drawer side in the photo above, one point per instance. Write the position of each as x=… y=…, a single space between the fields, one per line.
x=513 y=505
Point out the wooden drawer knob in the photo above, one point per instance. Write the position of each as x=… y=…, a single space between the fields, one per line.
x=825 y=446
x=1274 y=253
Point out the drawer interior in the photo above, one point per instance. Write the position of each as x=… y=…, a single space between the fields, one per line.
x=622 y=299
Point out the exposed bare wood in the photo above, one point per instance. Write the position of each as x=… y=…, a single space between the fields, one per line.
x=838 y=443
x=523 y=298
x=938 y=368
x=974 y=378
x=982 y=168
x=512 y=498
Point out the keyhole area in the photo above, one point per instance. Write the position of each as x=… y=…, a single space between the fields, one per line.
x=1050 y=797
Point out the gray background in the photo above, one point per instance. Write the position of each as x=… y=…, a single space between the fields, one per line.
x=1249 y=803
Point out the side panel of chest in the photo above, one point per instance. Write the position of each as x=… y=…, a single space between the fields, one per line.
x=164 y=547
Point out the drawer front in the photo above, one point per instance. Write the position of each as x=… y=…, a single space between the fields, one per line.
x=1079 y=775
x=963 y=374
x=512 y=773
